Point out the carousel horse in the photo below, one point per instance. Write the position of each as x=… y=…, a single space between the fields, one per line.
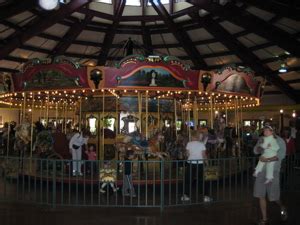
x=176 y=148
x=44 y=148
x=22 y=139
x=141 y=147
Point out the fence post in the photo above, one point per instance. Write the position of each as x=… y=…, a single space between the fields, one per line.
x=54 y=184
x=162 y=190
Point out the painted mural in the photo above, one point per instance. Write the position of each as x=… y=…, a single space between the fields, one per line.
x=51 y=79
x=152 y=77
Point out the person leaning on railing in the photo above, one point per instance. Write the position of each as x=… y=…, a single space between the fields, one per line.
x=272 y=190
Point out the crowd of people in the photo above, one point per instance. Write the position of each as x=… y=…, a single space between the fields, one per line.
x=271 y=146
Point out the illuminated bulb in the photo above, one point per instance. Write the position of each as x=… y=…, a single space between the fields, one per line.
x=281 y=111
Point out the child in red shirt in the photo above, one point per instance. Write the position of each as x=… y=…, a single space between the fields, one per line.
x=92 y=157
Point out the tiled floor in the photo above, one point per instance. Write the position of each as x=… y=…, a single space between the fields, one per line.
x=226 y=213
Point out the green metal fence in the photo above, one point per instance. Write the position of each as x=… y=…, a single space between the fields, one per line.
x=156 y=183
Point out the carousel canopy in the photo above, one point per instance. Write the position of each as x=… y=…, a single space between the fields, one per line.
x=207 y=35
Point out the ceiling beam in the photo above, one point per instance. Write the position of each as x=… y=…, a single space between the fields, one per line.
x=254 y=24
x=147 y=41
x=71 y=35
x=276 y=8
x=8 y=70
x=109 y=36
x=41 y=25
x=15 y=8
x=181 y=36
x=246 y=56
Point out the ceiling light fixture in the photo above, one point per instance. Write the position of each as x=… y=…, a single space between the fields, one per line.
x=48 y=4
x=283 y=68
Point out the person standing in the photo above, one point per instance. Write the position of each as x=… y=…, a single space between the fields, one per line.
x=75 y=145
x=272 y=189
x=128 y=188
x=196 y=153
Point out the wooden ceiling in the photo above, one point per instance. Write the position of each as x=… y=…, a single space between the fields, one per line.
x=204 y=33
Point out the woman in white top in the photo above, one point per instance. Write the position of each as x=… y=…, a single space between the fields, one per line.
x=194 y=168
x=75 y=146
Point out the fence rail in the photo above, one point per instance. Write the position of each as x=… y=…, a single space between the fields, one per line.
x=156 y=183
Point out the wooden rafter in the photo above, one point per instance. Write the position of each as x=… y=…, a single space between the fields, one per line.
x=181 y=36
x=109 y=37
x=71 y=35
x=246 y=56
x=41 y=25
x=15 y=8
x=254 y=24
x=278 y=9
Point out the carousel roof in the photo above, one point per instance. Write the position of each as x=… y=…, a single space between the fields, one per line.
x=205 y=34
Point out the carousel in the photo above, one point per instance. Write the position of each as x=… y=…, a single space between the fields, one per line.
x=151 y=103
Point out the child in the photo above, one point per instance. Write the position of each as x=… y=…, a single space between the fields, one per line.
x=128 y=189
x=270 y=146
x=108 y=176
x=92 y=156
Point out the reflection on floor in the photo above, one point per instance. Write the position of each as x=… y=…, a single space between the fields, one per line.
x=226 y=213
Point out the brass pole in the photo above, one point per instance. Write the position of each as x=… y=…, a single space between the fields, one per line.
x=103 y=105
x=146 y=129
x=117 y=116
x=31 y=133
x=175 y=117
x=211 y=112
x=158 y=114
x=80 y=113
x=24 y=107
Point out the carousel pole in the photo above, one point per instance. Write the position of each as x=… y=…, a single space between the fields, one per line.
x=21 y=113
x=117 y=116
x=226 y=114
x=31 y=133
x=189 y=120
x=238 y=125
x=74 y=116
x=8 y=140
x=195 y=113
x=40 y=114
x=62 y=116
x=103 y=105
x=140 y=110
x=211 y=112
x=158 y=114
x=24 y=107
x=80 y=113
x=241 y=122
x=146 y=99
x=175 y=116
x=56 y=113
x=182 y=116
x=47 y=109
x=65 y=115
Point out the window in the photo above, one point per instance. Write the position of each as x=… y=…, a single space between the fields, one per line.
x=133 y=2
x=131 y=127
x=178 y=124
x=104 y=1
x=162 y=2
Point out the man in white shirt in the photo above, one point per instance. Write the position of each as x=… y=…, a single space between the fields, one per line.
x=75 y=146
x=196 y=152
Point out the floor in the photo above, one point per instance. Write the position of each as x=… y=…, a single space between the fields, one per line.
x=226 y=213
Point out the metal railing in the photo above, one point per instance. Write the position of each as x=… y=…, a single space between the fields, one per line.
x=156 y=183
